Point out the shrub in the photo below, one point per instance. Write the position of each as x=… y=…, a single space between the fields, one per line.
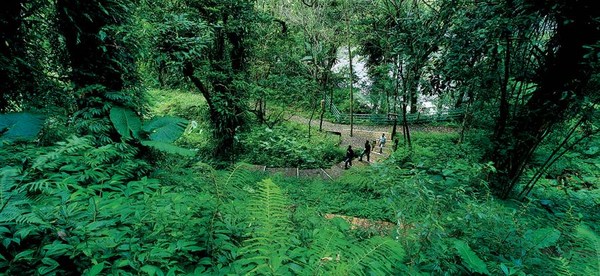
x=284 y=146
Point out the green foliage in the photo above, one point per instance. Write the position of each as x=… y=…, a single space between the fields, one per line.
x=190 y=106
x=90 y=210
x=283 y=146
x=171 y=37
x=297 y=241
x=78 y=207
x=126 y=122
x=177 y=103
x=470 y=259
x=12 y=203
x=161 y=131
x=20 y=126
x=168 y=148
x=92 y=205
x=265 y=252
x=165 y=129
x=339 y=255
x=542 y=238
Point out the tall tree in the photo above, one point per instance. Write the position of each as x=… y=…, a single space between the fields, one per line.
x=405 y=35
x=17 y=76
x=224 y=68
x=566 y=66
x=102 y=68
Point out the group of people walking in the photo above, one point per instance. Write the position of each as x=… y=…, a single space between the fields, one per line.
x=366 y=152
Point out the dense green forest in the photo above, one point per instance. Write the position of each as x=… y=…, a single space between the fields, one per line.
x=208 y=137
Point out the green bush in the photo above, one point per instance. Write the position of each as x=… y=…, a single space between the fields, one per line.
x=86 y=209
x=184 y=104
x=80 y=208
x=285 y=146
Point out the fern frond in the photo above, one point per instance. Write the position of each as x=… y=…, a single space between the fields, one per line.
x=335 y=253
x=29 y=218
x=588 y=240
x=240 y=177
x=12 y=203
x=563 y=268
x=102 y=155
x=377 y=254
x=265 y=252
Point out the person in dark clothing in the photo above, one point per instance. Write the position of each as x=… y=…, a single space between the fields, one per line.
x=349 y=156
x=366 y=152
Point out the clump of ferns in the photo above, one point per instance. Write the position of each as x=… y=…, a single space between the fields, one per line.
x=274 y=248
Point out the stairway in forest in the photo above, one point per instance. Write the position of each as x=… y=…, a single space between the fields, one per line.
x=357 y=141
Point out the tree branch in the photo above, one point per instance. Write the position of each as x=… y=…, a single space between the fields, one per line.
x=188 y=71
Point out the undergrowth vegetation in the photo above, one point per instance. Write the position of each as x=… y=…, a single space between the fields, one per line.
x=286 y=145
x=135 y=137
x=283 y=145
x=74 y=207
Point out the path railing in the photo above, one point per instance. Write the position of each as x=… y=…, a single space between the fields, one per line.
x=387 y=119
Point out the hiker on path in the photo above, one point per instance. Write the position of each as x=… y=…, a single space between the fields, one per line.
x=366 y=152
x=349 y=156
x=381 y=142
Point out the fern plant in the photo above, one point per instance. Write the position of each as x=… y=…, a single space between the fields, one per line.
x=266 y=251
x=88 y=210
x=274 y=246
x=12 y=203
x=335 y=252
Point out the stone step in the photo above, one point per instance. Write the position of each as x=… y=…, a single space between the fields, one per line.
x=289 y=172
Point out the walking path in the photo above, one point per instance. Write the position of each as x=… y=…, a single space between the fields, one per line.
x=360 y=134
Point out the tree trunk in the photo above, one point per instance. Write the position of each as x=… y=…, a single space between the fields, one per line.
x=413 y=100
x=351 y=93
x=226 y=105
x=396 y=76
x=504 y=105
x=322 y=113
x=99 y=65
x=558 y=95
x=405 y=128
x=351 y=74
x=16 y=76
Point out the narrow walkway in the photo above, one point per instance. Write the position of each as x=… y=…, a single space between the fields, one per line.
x=361 y=133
